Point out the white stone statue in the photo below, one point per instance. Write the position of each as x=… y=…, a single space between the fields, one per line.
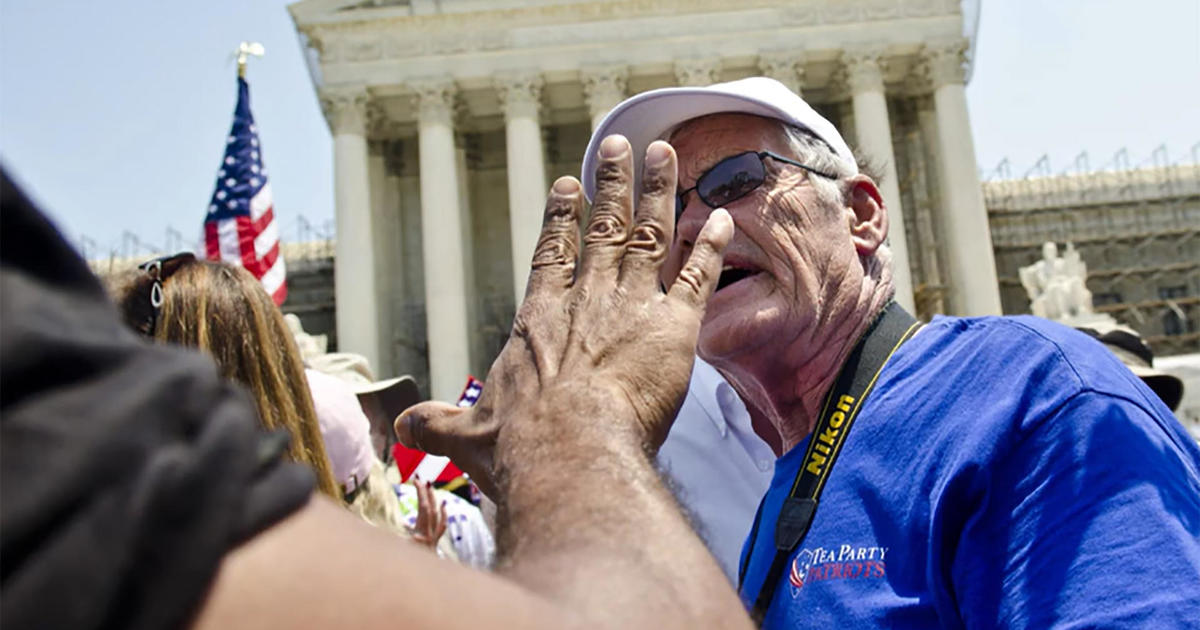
x=1057 y=289
x=311 y=346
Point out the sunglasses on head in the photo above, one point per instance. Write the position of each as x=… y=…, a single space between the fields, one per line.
x=159 y=269
x=733 y=178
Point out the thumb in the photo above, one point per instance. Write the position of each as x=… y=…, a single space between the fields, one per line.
x=431 y=426
x=698 y=278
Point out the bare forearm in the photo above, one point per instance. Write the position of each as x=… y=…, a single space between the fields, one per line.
x=568 y=534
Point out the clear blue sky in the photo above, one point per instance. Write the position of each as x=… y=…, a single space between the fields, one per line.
x=114 y=114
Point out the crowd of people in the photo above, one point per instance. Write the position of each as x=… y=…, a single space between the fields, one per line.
x=722 y=319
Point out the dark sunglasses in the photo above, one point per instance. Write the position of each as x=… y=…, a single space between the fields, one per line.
x=733 y=178
x=159 y=269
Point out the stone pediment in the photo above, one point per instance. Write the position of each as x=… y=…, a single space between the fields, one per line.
x=354 y=32
x=384 y=46
x=420 y=15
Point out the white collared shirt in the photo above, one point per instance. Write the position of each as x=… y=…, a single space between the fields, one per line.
x=720 y=467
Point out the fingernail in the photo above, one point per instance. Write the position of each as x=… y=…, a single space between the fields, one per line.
x=657 y=153
x=720 y=221
x=566 y=186
x=613 y=146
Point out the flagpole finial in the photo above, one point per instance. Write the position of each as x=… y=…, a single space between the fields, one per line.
x=244 y=50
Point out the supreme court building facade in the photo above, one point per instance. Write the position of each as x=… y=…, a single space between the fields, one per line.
x=450 y=118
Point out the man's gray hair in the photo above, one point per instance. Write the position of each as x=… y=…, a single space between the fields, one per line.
x=816 y=153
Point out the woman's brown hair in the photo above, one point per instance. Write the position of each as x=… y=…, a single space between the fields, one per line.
x=224 y=311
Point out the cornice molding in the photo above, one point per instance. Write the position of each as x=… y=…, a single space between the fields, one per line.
x=344 y=39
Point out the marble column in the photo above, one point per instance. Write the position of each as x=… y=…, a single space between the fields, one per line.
x=874 y=132
x=441 y=240
x=697 y=72
x=382 y=205
x=785 y=67
x=974 y=289
x=603 y=89
x=354 y=266
x=391 y=257
x=520 y=98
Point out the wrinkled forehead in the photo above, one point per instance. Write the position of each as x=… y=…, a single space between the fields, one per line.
x=725 y=125
x=702 y=141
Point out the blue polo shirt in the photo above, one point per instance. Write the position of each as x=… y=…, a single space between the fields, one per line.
x=1004 y=473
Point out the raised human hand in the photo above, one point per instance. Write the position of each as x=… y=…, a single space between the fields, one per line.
x=599 y=356
x=431 y=518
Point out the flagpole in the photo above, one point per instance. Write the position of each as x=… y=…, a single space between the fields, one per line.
x=244 y=50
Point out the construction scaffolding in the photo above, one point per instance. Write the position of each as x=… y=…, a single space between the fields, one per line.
x=1136 y=226
x=307 y=249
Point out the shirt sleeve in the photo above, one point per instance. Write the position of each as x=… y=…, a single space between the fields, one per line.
x=127 y=470
x=1091 y=520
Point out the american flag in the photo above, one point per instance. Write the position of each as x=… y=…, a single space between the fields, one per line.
x=240 y=227
x=413 y=463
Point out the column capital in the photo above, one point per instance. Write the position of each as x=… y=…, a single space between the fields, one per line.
x=520 y=93
x=379 y=125
x=863 y=68
x=434 y=99
x=697 y=72
x=345 y=109
x=944 y=63
x=787 y=67
x=604 y=87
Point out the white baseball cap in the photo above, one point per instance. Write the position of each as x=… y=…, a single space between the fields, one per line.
x=648 y=116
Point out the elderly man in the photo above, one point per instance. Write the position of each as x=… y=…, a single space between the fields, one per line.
x=1001 y=472
x=983 y=472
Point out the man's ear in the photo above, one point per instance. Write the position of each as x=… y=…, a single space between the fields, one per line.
x=869 y=222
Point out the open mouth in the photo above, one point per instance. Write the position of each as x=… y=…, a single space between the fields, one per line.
x=731 y=274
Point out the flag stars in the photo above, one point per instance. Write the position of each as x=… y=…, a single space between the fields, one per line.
x=253 y=142
x=230 y=182
x=221 y=195
x=231 y=204
x=221 y=173
x=229 y=161
x=230 y=140
x=253 y=168
x=254 y=155
x=253 y=181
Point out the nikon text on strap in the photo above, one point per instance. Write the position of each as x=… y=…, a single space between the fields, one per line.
x=845 y=398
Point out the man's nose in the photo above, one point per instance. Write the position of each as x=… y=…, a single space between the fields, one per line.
x=691 y=220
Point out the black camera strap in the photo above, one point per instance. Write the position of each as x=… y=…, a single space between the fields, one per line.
x=845 y=398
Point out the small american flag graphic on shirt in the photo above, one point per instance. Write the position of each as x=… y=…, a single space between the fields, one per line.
x=240 y=227
x=413 y=463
